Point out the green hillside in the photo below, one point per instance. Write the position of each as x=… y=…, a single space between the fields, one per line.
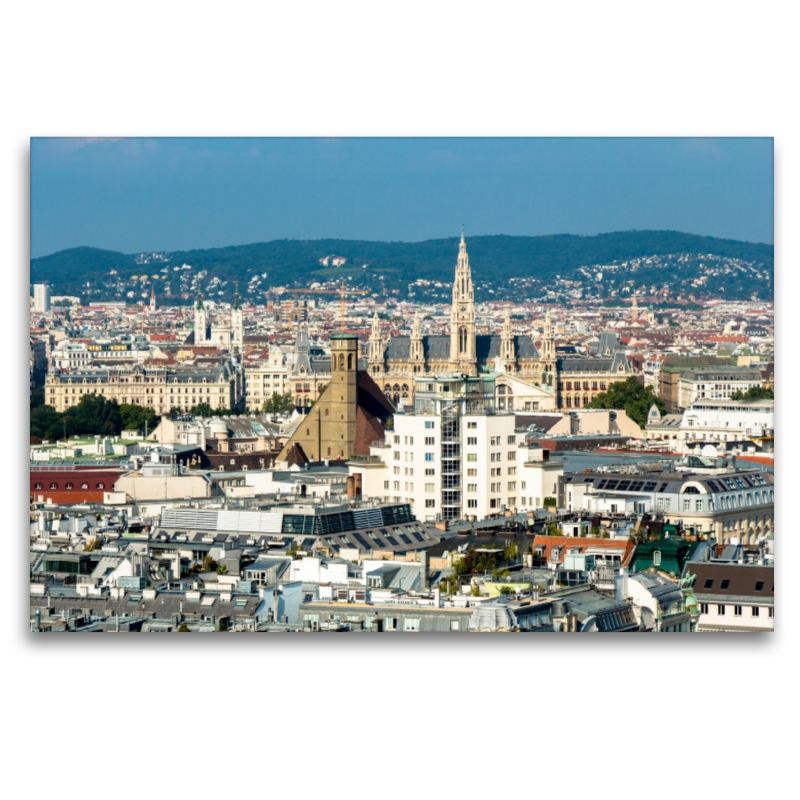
x=739 y=269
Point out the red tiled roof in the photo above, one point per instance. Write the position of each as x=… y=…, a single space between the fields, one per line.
x=66 y=498
x=570 y=542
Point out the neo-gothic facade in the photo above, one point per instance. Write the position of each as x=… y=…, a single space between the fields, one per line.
x=394 y=366
x=550 y=382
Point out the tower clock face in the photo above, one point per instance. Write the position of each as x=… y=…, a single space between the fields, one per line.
x=463 y=309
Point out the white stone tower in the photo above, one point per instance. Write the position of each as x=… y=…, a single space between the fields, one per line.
x=200 y=320
x=462 y=315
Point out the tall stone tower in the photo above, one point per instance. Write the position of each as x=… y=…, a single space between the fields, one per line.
x=200 y=320
x=416 y=351
x=548 y=354
x=153 y=300
x=507 y=353
x=375 y=347
x=462 y=315
x=338 y=436
x=237 y=321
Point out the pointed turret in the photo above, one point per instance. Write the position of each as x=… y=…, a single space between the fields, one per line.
x=462 y=314
x=375 y=347
x=200 y=320
x=507 y=350
x=416 y=351
x=237 y=320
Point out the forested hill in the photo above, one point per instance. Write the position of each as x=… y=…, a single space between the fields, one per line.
x=699 y=264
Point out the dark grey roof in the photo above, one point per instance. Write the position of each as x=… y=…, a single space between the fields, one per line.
x=437 y=348
x=568 y=365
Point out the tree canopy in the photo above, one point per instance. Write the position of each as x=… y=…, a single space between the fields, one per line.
x=754 y=393
x=278 y=404
x=93 y=415
x=630 y=396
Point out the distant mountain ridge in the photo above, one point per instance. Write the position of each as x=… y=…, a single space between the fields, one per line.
x=395 y=265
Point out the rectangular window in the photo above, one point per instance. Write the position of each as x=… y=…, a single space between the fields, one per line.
x=472 y=472
x=430 y=487
x=754 y=611
x=396 y=470
x=472 y=440
x=397 y=486
x=759 y=585
x=512 y=486
x=687 y=505
x=737 y=611
x=428 y=424
x=396 y=455
x=721 y=611
x=397 y=440
x=429 y=440
x=513 y=471
x=704 y=608
x=512 y=439
x=472 y=425
x=430 y=471
x=698 y=505
x=771 y=612
x=410 y=624
x=512 y=502
x=472 y=487
x=725 y=584
x=512 y=455
x=472 y=456
x=429 y=456
x=430 y=504
x=472 y=503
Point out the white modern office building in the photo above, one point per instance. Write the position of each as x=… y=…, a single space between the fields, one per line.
x=455 y=455
x=41 y=298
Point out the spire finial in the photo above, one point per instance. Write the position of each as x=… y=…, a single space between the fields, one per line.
x=462 y=230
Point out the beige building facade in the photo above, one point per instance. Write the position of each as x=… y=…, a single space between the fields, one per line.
x=158 y=388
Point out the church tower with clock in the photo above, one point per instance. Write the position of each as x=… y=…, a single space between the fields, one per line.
x=462 y=315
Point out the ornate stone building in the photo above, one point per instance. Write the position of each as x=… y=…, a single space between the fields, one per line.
x=222 y=334
x=527 y=380
x=394 y=366
x=158 y=388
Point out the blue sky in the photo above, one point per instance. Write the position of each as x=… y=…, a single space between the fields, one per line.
x=172 y=194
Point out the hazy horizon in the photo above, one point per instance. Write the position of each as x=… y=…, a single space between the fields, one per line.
x=168 y=194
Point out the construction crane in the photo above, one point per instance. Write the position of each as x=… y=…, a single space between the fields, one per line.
x=343 y=291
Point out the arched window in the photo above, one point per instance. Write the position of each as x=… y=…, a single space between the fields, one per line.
x=69 y=486
x=326 y=412
x=341 y=361
x=83 y=486
x=308 y=432
x=349 y=361
x=37 y=486
x=329 y=451
x=54 y=486
x=462 y=340
x=101 y=486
